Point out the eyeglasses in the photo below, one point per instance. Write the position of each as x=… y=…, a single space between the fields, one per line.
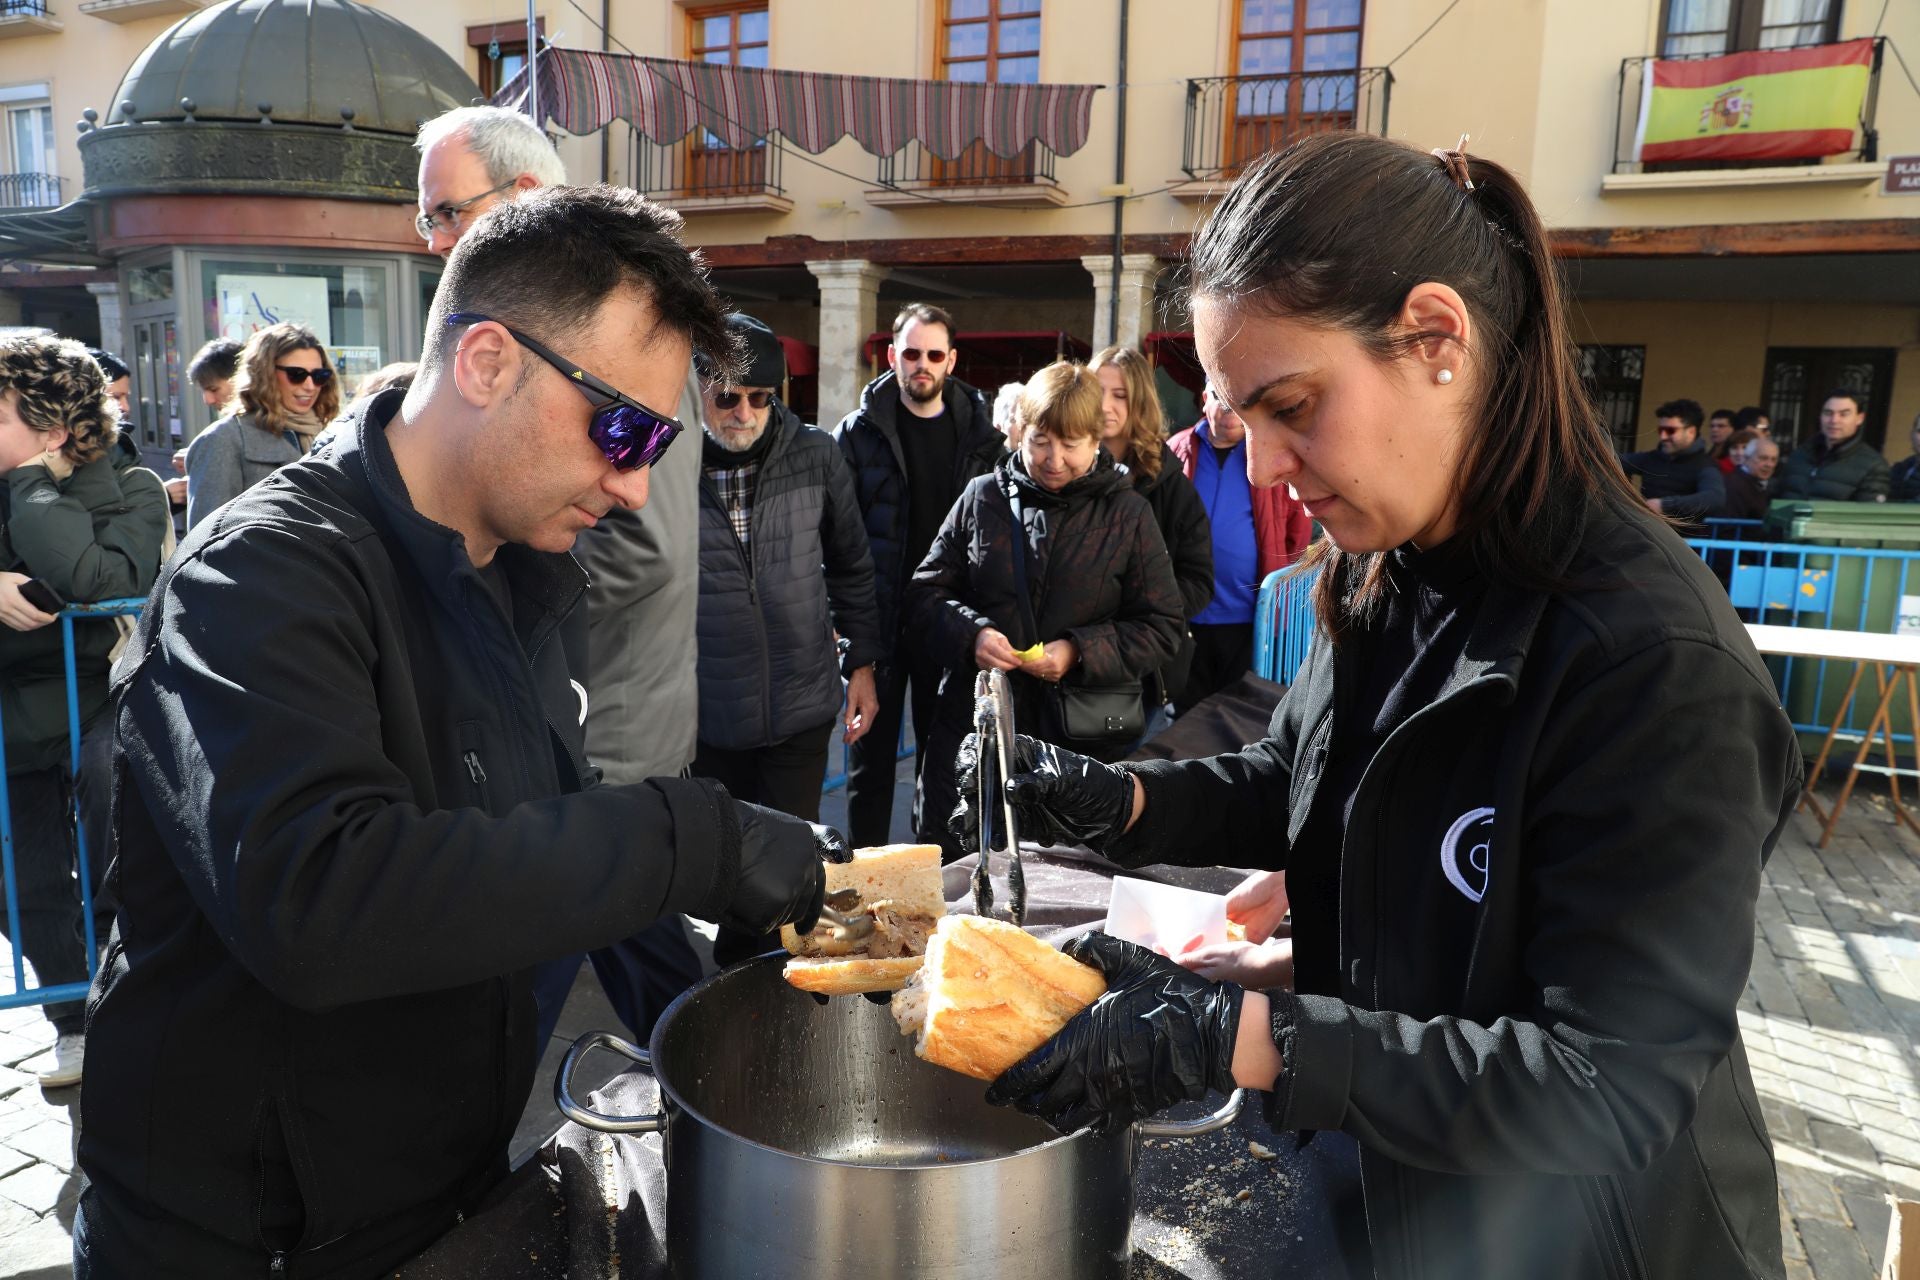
x=627 y=432
x=447 y=217
x=912 y=355
x=756 y=400
x=1668 y=431
x=298 y=375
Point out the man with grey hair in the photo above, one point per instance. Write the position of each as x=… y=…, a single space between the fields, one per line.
x=472 y=158
x=641 y=700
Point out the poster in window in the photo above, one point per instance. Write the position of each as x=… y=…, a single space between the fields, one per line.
x=251 y=303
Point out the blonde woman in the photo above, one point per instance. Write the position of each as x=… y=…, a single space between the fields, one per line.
x=284 y=395
x=1134 y=430
x=1102 y=610
x=81 y=523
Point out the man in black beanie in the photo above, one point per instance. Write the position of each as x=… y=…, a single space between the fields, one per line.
x=784 y=568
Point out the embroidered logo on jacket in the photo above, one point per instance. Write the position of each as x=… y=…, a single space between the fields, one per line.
x=1463 y=852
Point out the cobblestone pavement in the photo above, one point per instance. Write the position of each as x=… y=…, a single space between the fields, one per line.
x=1831 y=1022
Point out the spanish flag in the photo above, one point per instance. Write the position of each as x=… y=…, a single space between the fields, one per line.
x=1769 y=104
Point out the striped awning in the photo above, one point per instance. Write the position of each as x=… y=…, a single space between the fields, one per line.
x=582 y=91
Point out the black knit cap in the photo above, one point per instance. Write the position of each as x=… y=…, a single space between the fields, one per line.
x=762 y=361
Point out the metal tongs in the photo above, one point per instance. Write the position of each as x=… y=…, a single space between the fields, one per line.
x=842 y=911
x=993 y=727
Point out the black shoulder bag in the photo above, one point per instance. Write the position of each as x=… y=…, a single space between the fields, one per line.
x=1088 y=712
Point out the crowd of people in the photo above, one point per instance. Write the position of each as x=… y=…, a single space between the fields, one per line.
x=543 y=713
x=1736 y=472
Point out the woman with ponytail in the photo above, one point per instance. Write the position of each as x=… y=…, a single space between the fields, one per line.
x=1521 y=791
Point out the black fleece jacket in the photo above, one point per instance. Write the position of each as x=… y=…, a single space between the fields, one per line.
x=1556 y=1085
x=344 y=834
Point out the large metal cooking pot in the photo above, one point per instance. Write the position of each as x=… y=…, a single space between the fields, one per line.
x=804 y=1139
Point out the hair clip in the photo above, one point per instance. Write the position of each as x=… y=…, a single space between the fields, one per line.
x=1456 y=163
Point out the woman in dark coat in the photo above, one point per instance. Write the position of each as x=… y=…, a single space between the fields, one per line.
x=1102 y=601
x=83 y=527
x=1134 y=430
x=284 y=397
x=1519 y=938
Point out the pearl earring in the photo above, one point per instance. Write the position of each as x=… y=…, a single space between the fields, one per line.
x=1443 y=377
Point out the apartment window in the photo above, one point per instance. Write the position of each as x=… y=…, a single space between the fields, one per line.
x=985 y=42
x=1612 y=375
x=1706 y=27
x=729 y=35
x=1297 y=63
x=29 y=181
x=503 y=52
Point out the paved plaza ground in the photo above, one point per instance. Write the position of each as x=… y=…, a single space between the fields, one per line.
x=1831 y=1021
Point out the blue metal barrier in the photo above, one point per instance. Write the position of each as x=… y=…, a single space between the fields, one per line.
x=1837 y=588
x=21 y=993
x=1283 y=624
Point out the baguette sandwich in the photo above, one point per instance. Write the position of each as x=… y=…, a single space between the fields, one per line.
x=989 y=994
x=899 y=885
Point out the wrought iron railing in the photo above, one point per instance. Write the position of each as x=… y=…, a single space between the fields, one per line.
x=23 y=8
x=1234 y=120
x=1626 y=123
x=915 y=166
x=29 y=191
x=704 y=168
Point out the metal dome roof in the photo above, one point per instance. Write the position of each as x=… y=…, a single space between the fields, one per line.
x=310 y=61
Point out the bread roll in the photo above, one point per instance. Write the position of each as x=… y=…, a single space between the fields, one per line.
x=900 y=886
x=989 y=994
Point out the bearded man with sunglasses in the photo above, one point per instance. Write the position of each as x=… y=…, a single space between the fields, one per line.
x=353 y=808
x=919 y=435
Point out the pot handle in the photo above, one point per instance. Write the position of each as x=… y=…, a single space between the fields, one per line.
x=1226 y=1115
x=563 y=1086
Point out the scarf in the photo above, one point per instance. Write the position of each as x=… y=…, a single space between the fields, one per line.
x=304 y=425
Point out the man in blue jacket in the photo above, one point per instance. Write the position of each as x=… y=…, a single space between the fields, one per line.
x=354 y=808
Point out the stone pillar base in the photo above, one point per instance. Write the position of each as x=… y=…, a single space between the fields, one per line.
x=849 y=311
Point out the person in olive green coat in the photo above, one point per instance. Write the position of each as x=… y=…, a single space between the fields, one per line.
x=85 y=529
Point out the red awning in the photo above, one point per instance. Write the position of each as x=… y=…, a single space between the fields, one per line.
x=582 y=91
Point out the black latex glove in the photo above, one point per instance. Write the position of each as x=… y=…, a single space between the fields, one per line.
x=1058 y=797
x=1160 y=1035
x=781 y=877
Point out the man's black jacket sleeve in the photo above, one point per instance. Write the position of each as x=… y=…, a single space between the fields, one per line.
x=1708 y=499
x=254 y=729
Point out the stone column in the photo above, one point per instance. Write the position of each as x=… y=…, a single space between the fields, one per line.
x=849 y=311
x=1138 y=273
x=113 y=334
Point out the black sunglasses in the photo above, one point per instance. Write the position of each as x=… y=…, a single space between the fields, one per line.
x=627 y=432
x=298 y=376
x=756 y=400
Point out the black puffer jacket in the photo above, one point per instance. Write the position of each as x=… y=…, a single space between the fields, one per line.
x=1188 y=533
x=94 y=536
x=1552 y=1082
x=1097 y=574
x=768 y=611
x=870 y=439
x=344 y=837
x=1852 y=471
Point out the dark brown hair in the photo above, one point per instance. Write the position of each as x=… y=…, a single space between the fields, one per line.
x=922 y=313
x=546 y=263
x=1336 y=230
x=1146 y=421
x=55 y=383
x=256 y=387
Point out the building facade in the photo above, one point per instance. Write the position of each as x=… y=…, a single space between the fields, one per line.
x=1730 y=282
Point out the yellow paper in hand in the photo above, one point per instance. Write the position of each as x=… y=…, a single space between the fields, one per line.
x=1031 y=654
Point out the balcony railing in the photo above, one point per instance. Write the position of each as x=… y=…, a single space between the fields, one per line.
x=913 y=166
x=1234 y=120
x=1627 y=119
x=23 y=8
x=699 y=169
x=29 y=191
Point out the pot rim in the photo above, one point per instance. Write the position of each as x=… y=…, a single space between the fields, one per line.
x=675 y=1101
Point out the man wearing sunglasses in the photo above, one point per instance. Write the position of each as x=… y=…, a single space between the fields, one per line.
x=1679 y=477
x=784 y=568
x=354 y=809
x=634 y=641
x=919 y=435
